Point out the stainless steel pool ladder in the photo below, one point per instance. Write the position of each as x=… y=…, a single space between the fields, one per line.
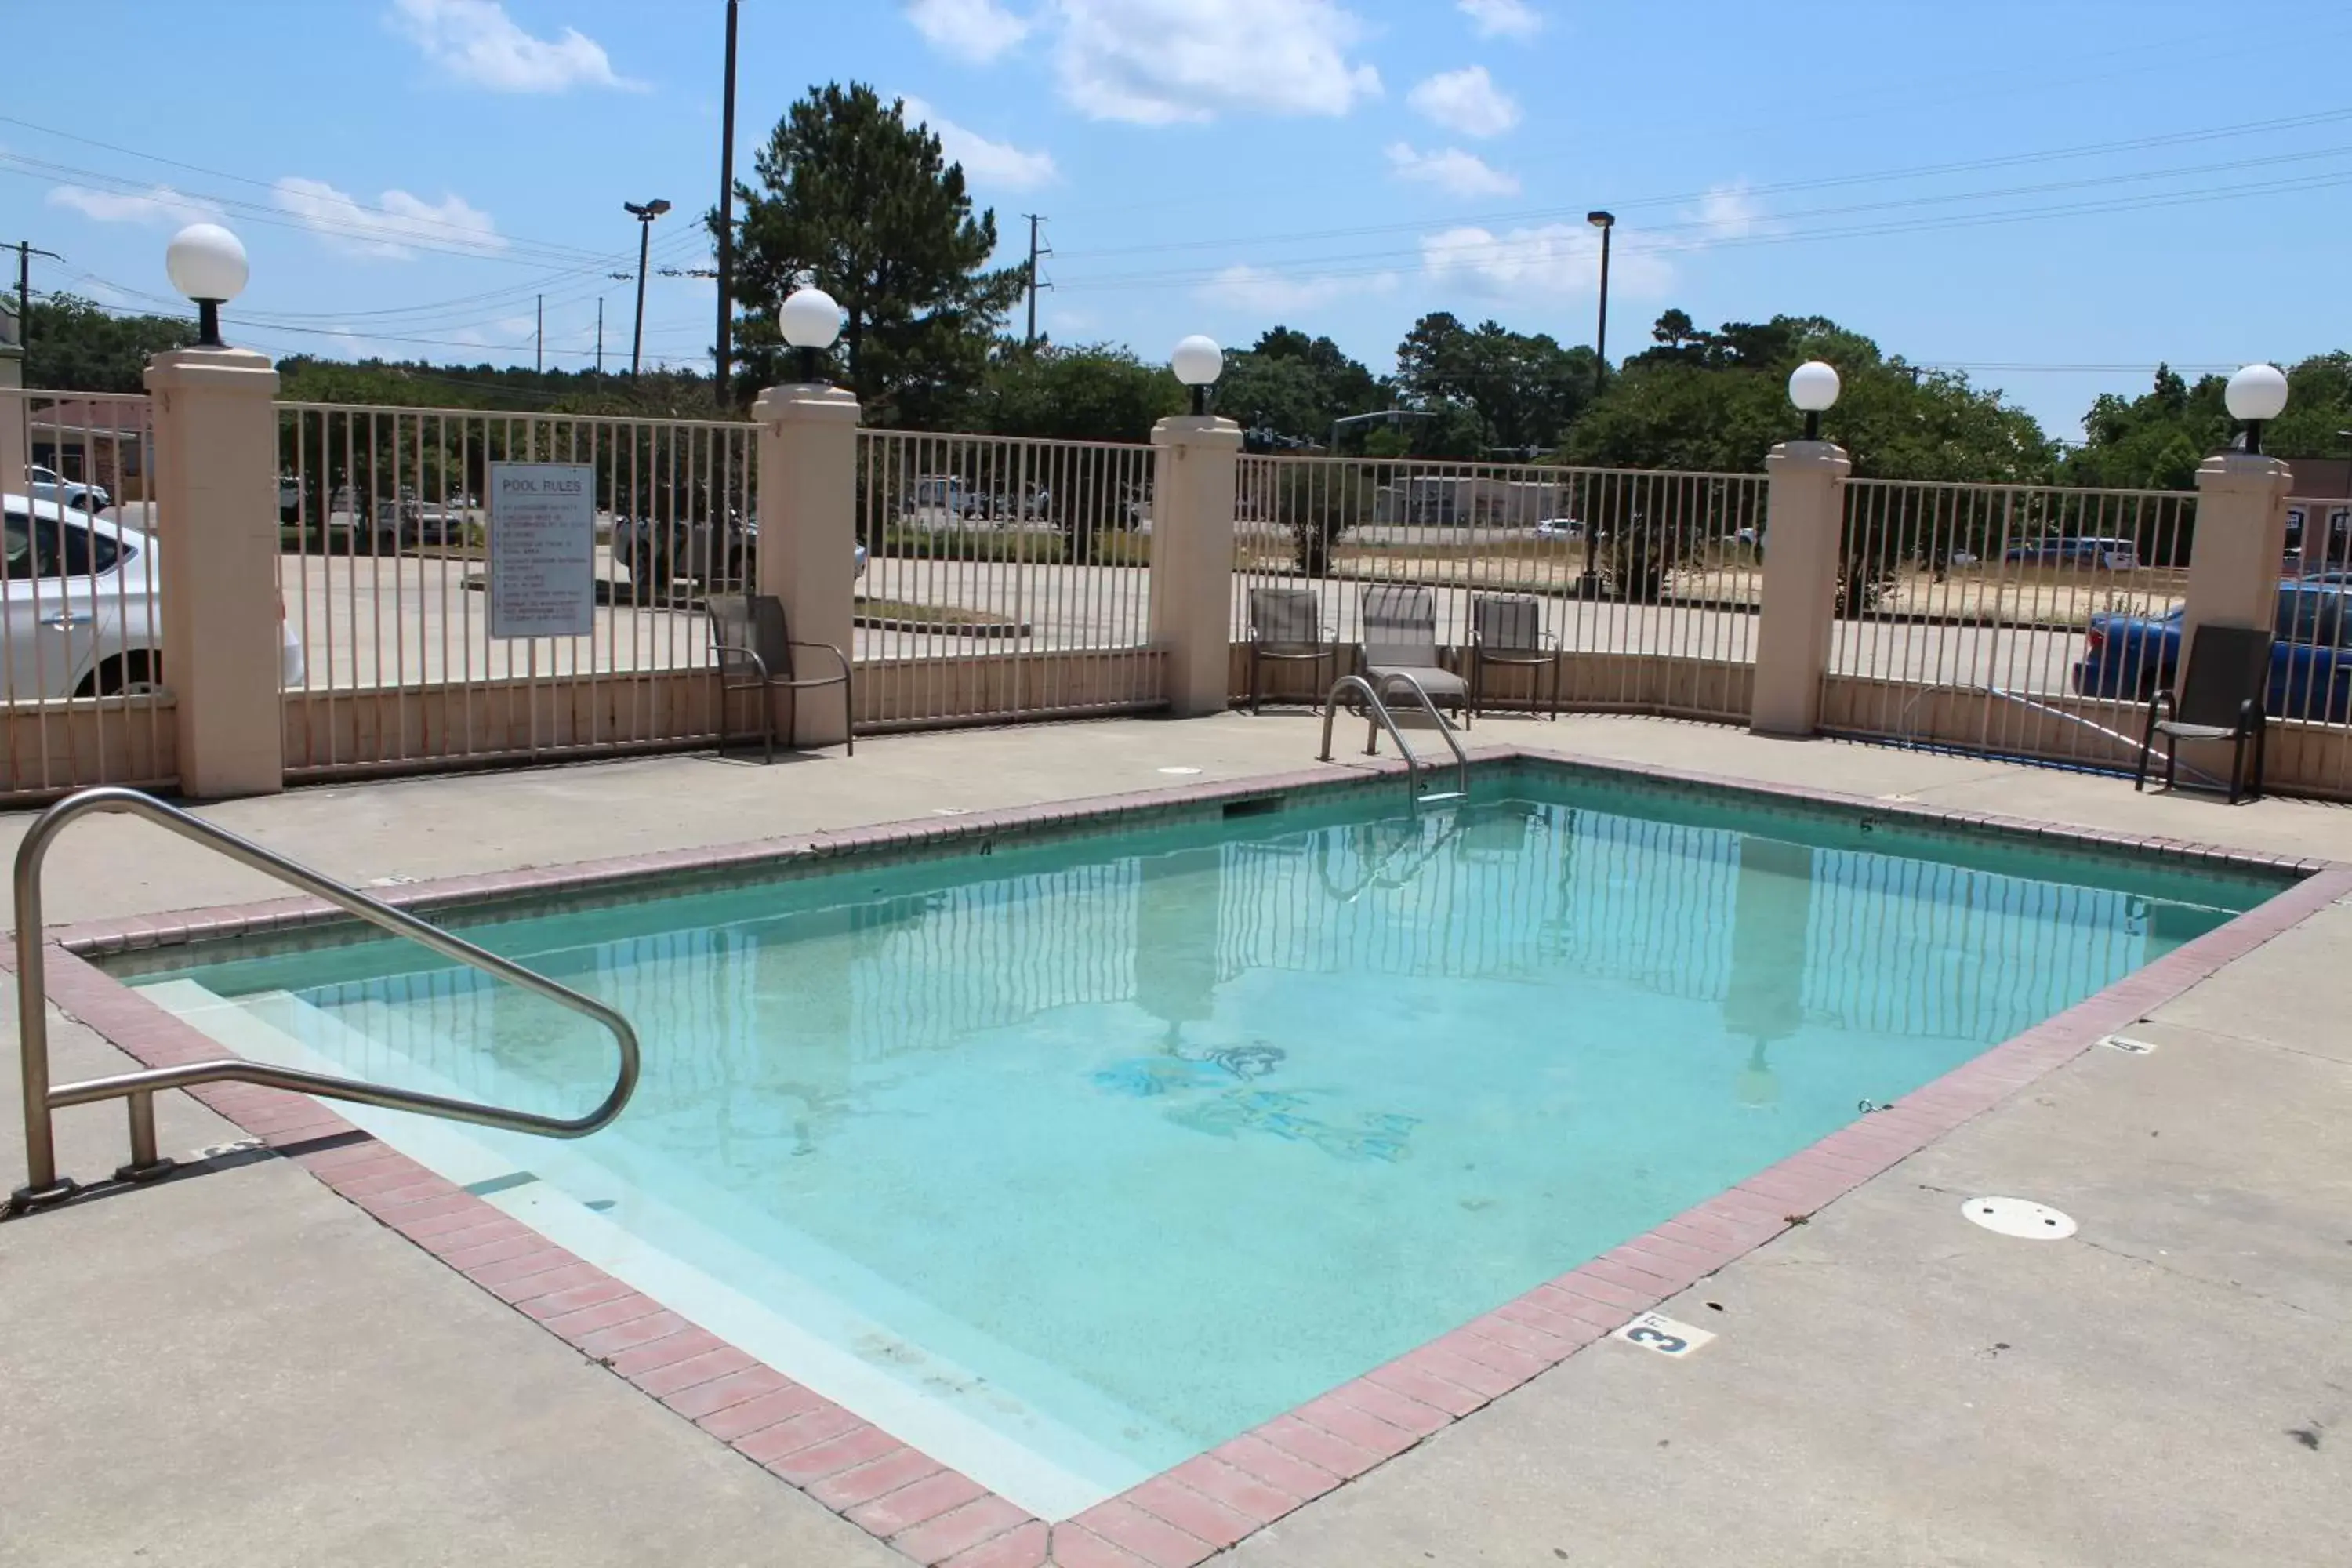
x=42 y=1098
x=1379 y=718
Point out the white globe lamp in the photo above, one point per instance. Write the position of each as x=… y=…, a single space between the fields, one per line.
x=1198 y=362
x=2256 y=394
x=207 y=263
x=1814 y=388
x=810 y=322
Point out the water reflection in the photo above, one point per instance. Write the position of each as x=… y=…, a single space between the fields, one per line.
x=809 y=1010
x=1763 y=998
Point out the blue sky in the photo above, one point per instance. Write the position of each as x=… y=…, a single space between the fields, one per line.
x=2016 y=186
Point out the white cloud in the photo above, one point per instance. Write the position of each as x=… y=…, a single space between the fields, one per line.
x=1502 y=18
x=1453 y=171
x=975 y=30
x=156 y=204
x=1727 y=211
x=392 y=229
x=1156 y=62
x=1466 y=100
x=1549 y=262
x=986 y=163
x=1263 y=291
x=476 y=42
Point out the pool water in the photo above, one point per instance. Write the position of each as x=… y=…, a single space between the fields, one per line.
x=1068 y=1162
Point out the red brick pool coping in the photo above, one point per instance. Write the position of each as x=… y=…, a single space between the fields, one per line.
x=935 y=1515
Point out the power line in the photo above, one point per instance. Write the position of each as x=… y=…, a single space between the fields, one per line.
x=1436 y=257
x=1923 y=171
x=405 y=220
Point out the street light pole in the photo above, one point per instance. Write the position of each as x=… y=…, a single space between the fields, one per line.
x=645 y=215
x=1607 y=224
x=727 y=218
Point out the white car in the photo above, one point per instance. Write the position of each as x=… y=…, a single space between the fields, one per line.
x=83 y=619
x=48 y=484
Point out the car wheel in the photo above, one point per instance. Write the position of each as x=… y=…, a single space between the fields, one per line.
x=139 y=674
x=649 y=569
x=2149 y=679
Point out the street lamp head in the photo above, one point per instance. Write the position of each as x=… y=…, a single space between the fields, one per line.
x=811 y=321
x=1198 y=362
x=647 y=212
x=2255 y=394
x=1814 y=388
x=206 y=263
x=1602 y=219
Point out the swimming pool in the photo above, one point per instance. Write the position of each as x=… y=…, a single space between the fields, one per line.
x=1067 y=1158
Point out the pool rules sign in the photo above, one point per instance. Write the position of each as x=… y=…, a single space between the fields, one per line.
x=542 y=550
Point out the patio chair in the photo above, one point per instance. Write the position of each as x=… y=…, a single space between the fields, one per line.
x=755 y=654
x=1400 y=639
x=1508 y=629
x=1285 y=626
x=2220 y=699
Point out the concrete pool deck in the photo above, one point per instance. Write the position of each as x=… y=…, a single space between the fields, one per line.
x=245 y=1367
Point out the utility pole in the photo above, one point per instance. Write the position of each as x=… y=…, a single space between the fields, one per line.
x=727 y=218
x=645 y=215
x=25 y=251
x=540 y=338
x=600 y=334
x=1034 y=252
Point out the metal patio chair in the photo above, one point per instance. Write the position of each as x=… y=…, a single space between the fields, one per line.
x=755 y=654
x=1508 y=629
x=1400 y=639
x=2221 y=698
x=1285 y=626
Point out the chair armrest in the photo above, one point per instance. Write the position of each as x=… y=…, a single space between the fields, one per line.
x=838 y=656
x=757 y=662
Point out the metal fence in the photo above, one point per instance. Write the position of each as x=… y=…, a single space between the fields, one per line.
x=1006 y=577
x=81 y=696
x=1993 y=617
x=383 y=577
x=1626 y=565
x=2312 y=684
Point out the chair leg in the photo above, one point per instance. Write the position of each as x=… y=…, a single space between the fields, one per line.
x=1253 y=695
x=2171 y=759
x=768 y=720
x=1477 y=681
x=2262 y=747
x=1555 y=688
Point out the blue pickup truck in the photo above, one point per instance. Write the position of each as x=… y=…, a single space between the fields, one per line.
x=2311 y=663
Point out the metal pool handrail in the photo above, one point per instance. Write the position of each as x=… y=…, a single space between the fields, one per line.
x=1380 y=715
x=41 y=1099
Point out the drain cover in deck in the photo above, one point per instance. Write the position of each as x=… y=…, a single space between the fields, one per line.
x=2019 y=1218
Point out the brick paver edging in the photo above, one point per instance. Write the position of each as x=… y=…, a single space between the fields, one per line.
x=937 y=1516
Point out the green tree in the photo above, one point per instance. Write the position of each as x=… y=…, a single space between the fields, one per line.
x=73 y=345
x=1098 y=392
x=867 y=207
x=1291 y=387
x=1524 y=391
x=2154 y=441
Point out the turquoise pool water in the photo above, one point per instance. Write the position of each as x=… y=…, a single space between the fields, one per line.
x=1102 y=1151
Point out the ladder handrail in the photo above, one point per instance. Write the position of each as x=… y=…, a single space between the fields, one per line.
x=1381 y=716
x=41 y=1099
x=1444 y=728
